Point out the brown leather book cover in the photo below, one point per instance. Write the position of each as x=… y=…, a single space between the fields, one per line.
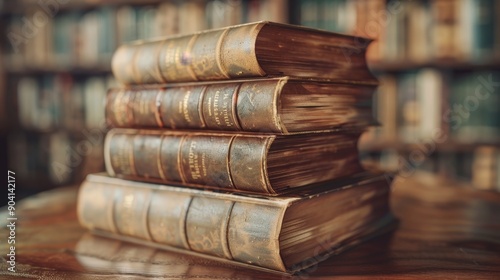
x=248 y=50
x=259 y=231
x=261 y=163
x=278 y=105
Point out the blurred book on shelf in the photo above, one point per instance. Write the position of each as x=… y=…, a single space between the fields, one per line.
x=86 y=37
x=431 y=56
x=418 y=31
x=56 y=68
x=486 y=168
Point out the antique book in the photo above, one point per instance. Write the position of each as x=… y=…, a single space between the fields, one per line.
x=247 y=50
x=262 y=163
x=283 y=233
x=278 y=105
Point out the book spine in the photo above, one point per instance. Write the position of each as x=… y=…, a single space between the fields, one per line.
x=230 y=229
x=247 y=106
x=227 y=161
x=211 y=55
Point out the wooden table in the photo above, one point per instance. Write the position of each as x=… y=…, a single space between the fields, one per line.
x=446 y=231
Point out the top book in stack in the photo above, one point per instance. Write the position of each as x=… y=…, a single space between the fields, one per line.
x=242 y=51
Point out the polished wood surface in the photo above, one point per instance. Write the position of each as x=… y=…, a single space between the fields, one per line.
x=446 y=231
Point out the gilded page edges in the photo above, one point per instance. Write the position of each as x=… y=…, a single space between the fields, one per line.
x=237 y=53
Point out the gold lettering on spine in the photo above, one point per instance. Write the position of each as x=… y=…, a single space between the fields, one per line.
x=194 y=161
x=184 y=110
x=209 y=107
x=225 y=109
x=216 y=107
x=219 y=106
x=203 y=164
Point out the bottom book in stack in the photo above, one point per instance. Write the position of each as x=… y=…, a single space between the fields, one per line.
x=283 y=233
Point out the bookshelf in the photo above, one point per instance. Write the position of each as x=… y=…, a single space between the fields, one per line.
x=428 y=55
x=56 y=68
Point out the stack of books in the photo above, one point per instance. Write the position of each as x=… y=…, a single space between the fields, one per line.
x=240 y=144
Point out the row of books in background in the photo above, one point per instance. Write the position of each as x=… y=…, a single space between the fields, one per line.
x=59 y=135
x=86 y=38
x=417 y=31
x=421 y=105
x=61 y=101
x=55 y=158
x=480 y=166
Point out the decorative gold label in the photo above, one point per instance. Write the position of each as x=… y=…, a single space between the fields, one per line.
x=219 y=110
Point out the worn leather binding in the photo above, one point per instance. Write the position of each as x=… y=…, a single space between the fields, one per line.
x=261 y=163
x=278 y=105
x=254 y=230
x=247 y=50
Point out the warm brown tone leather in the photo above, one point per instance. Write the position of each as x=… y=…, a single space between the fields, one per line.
x=247 y=50
x=278 y=105
x=446 y=231
x=249 y=229
x=261 y=163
